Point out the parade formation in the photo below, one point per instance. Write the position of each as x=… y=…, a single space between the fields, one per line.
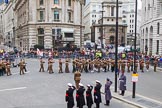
x=91 y=95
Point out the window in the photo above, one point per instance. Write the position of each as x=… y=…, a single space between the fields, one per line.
x=41 y=40
x=130 y=31
x=41 y=2
x=124 y=21
x=124 y=16
x=56 y=1
x=41 y=15
x=132 y=15
x=158 y=28
x=94 y=6
x=112 y=11
x=107 y=19
x=94 y=10
x=92 y=15
x=69 y=2
x=130 y=26
x=132 y=21
x=157 y=47
x=56 y=33
x=112 y=19
x=56 y=15
x=68 y=35
x=40 y=31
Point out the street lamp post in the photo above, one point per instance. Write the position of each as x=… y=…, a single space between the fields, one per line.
x=116 y=48
x=134 y=83
x=102 y=26
x=82 y=2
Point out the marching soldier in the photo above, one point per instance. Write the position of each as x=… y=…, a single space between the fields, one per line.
x=1 y=70
x=50 y=67
x=119 y=64
x=147 y=64
x=24 y=63
x=67 y=66
x=60 y=66
x=128 y=65
x=91 y=65
x=131 y=64
x=77 y=78
x=74 y=65
x=8 y=66
x=4 y=66
x=104 y=65
x=86 y=66
x=112 y=65
x=155 y=64
x=136 y=65
x=41 y=65
x=21 y=65
x=108 y=64
x=123 y=66
x=142 y=65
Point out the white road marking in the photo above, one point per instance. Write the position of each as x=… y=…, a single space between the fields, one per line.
x=11 y=89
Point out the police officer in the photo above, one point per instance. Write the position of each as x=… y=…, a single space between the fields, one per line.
x=108 y=95
x=80 y=96
x=69 y=98
x=89 y=96
x=77 y=78
x=97 y=94
x=41 y=65
x=122 y=84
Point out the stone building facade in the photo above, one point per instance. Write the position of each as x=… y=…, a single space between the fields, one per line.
x=151 y=27
x=109 y=25
x=49 y=23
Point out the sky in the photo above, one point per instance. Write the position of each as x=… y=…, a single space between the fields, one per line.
x=139 y=3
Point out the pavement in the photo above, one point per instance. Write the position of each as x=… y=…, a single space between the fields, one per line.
x=43 y=90
x=139 y=100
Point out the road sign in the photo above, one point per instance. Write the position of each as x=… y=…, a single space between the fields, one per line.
x=134 y=77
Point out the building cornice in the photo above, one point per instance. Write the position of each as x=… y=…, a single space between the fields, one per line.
x=151 y=21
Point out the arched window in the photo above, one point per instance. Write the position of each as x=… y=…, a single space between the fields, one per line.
x=158 y=28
